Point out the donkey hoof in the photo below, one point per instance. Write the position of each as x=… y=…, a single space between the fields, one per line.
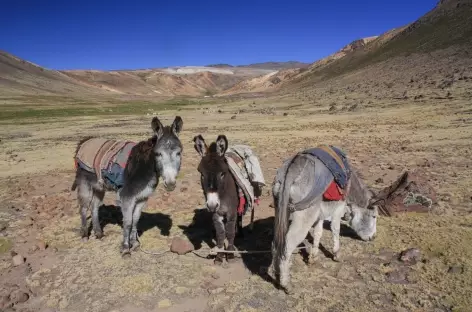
x=231 y=258
x=288 y=289
x=218 y=261
x=99 y=235
x=84 y=239
x=336 y=258
x=312 y=260
x=125 y=251
x=135 y=245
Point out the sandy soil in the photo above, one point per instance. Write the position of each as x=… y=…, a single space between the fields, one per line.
x=39 y=217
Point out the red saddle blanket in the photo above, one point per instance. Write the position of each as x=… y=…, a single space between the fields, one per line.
x=333 y=192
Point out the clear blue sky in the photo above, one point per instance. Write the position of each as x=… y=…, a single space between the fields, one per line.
x=118 y=34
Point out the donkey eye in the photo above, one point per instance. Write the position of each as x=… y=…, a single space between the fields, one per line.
x=159 y=154
x=222 y=175
x=178 y=154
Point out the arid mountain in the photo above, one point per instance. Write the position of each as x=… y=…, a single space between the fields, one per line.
x=20 y=77
x=275 y=80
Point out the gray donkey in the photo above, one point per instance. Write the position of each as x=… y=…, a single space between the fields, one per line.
x=159 y=156
x=297 y=190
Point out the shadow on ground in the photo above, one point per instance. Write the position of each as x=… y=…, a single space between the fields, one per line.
x=111 y=214
x=201 y=229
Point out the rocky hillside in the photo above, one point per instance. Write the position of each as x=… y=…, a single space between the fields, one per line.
x=274 y=80
x=437 y=44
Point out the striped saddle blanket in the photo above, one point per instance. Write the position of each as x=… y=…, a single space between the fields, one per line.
x=336 y=162
x=106 y=158
x=246 y=170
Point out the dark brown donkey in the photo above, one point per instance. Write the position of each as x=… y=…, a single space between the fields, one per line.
x=220 y=190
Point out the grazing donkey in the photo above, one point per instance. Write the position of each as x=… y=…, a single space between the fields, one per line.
x=159 y=156
x=220 y=190
x=298 y=194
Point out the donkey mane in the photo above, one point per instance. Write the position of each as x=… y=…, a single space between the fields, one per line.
x=359 y=192
x=141 y=153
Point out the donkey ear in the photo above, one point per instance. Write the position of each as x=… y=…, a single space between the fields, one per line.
x=221 y=145
x=200 y=145
x=177 y=125
x=157 y=127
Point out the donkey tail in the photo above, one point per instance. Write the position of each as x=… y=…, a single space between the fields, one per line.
x=282 y=214
x=74 y=186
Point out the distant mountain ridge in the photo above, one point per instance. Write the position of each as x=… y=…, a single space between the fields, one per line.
x=21 y=77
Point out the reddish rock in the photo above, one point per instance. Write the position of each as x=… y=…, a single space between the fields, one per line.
x=18 y=296
x=397 y=277
x=18 y=260
x=410 y=256
x=42 y=245
x=410 y=192
x=181 y=246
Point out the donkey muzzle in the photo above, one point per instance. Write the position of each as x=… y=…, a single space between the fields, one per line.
x=213 y=202
x=170 y=186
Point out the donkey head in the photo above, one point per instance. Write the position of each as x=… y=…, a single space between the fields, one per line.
x=167 y=150
x=363 y=220
x=213 y=169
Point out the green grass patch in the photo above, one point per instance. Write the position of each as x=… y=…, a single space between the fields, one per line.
x=14 y=113
x=5 y=245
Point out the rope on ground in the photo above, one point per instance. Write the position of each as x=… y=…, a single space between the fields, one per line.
x=214 y=251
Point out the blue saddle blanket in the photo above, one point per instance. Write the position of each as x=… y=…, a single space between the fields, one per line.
x=336 y=162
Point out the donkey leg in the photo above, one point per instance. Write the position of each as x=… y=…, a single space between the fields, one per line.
x=239 y=225
x=220 y=236
x=127 y=207
x=84 y=196
x=251 y=226
x=134 y=230
x=316 y=233
x=336 y=227
x=97 y=201
x=298 y=230
x=230 y=234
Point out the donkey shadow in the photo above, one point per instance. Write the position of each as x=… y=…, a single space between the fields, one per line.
x=260 y=239
x=201 y=229
x=111 y=214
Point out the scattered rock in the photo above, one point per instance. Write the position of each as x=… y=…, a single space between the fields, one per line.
x=285 y=114
x=233 y=117
x=379 y=180
x=456 y=269
x=181 y=246
x=410 y=256
x=42 y=245
x=397 y=277
x=18 y=296
x=18 y=260
x=164 y=304
x=3 y=225
x=4 y=300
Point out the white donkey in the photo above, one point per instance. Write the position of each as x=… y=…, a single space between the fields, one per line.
x=298 y=195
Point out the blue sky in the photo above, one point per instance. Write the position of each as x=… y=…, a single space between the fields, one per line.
x=120 y=34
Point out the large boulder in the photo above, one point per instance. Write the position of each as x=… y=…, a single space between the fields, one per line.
x=410 y=192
